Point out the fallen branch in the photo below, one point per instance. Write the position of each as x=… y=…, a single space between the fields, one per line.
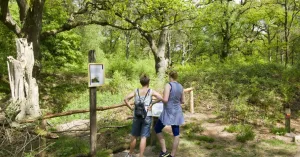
x=188 y=89
x=53 y=115
x=89 y=129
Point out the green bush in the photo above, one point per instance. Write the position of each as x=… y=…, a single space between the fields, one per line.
x=118 y=82
x=278 y=131
x=244 y=132
x=68 y=146
x=205 y=138
x=243 y=91
x=122 y=66
x=246 y=135
x=192 y=128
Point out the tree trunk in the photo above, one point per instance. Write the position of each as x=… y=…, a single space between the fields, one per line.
x=160 y=60
x=24 y=89
x=127 y=37
x=158 y=52
x=32 y=30
x=169 y=55
x=184 y=52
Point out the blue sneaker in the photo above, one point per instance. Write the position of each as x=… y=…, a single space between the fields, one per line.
x=164 y=154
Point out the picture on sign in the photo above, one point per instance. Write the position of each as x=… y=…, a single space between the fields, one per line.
x=157 y=109
x=96 y=74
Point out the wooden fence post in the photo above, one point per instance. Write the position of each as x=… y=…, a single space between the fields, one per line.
x=288 y=119
x=93 y=116
x=192 y=101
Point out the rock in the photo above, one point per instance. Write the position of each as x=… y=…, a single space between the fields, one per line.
x=2 y=117
x=74 y=125
x=297 y=139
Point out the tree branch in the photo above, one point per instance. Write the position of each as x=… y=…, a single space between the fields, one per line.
x=51 y=115
x=23 y=7
x=69 y=26
x=7 y=19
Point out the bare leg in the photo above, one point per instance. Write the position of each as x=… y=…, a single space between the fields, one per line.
x=142 y=146
x=132 y=144
x=175 y=145
x=162 y=141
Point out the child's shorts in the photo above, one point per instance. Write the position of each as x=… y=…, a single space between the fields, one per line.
x=141 y=127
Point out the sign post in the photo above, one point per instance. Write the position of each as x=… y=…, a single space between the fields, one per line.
x=96 y=78
x=288 y=119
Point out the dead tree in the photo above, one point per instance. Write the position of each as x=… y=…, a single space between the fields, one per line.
x=24 y=88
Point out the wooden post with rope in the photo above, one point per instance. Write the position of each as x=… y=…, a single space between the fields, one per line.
x=288 y=119
x=93 y=115
x=190 y=90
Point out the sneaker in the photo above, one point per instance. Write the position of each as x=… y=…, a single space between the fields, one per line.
x=164 y=154
x=128 y=155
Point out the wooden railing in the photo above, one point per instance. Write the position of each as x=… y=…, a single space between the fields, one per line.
x=70 y=112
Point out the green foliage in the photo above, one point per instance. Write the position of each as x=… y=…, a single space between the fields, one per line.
x=244 y=132
x=205 y=138
x=243 y=90
x=62 y=51
x=117 y=82
x=192 y=128
x=55 y=14
x=121 y=65
x=68 y=146
x=278 y=131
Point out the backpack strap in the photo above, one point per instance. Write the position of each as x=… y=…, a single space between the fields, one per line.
x=148 y=92
x=137 y=90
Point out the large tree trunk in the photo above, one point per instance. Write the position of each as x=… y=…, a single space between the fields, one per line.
x=158 y=49
x=159 y=55
x=32 y=30
x=24 y=89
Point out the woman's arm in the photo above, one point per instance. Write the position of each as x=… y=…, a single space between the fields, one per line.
x=182 y=97
x=127 y=98
x=157 y=96
x=166 y=93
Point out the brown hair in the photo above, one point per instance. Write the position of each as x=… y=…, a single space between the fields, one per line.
x=173 y=74
x=144 y=80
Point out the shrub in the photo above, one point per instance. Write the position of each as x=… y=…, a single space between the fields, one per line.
x=117 y=82
x=247 y=91
x=278 y=131
x=122 y=66
x=244 y=132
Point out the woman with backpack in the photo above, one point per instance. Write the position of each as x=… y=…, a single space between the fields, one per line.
x=142 y=117
x=173 y=97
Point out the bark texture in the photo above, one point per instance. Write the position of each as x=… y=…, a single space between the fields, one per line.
x=24 y=88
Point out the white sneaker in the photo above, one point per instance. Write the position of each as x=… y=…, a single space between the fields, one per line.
x=128 y=155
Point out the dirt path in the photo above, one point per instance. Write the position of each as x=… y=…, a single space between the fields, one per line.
x=225 y=144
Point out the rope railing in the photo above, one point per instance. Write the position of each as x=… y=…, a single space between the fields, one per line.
x=71 y=112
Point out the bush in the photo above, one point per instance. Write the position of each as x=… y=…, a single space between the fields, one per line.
x=243 y=91
x=117 y=82
x=278 y=131
x=122 y=66
x=245 y=135
x=244 y=132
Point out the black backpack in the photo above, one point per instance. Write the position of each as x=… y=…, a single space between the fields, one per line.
x=139 y=109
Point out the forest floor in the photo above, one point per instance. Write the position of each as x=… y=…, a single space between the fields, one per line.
x=224 y=144
x=209 y=139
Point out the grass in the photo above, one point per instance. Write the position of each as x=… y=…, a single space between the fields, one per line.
x=67 y=146
x=244 y=132
x=278 y=131
x=103 y=99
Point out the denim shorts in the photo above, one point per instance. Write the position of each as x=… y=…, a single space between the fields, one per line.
x=141 y=127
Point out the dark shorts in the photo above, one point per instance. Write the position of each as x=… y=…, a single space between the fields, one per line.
x=141 y=127
x=159 y=126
